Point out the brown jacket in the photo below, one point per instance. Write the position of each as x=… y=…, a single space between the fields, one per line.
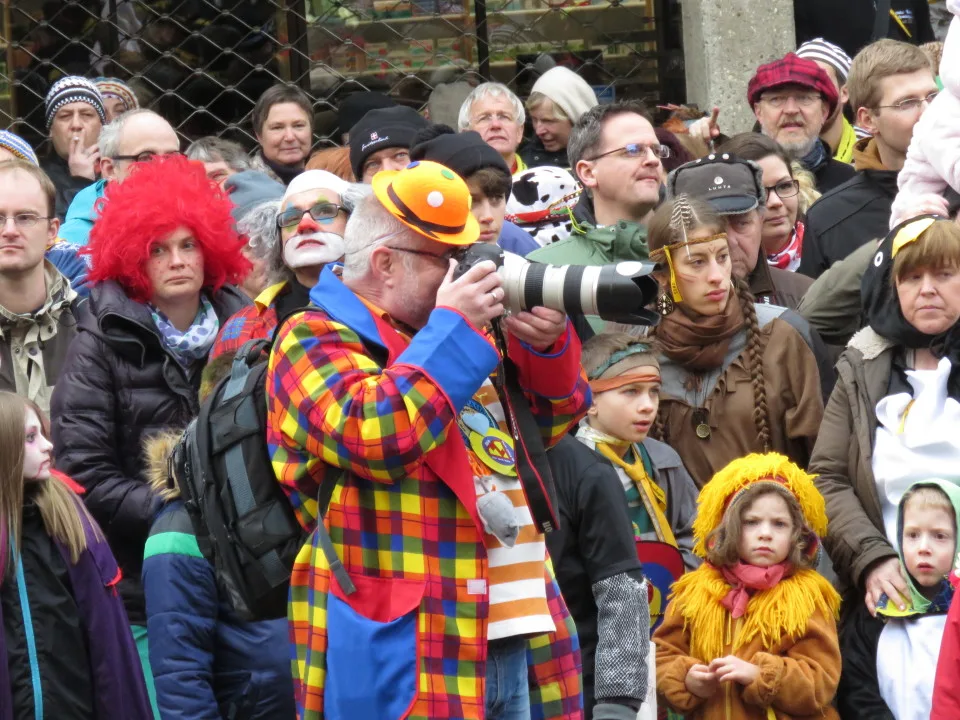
x=794 y=402
x=774 y=286
x=843 y=454
x=797 y=681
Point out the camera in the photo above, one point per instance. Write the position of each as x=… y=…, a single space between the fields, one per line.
x=619 y=292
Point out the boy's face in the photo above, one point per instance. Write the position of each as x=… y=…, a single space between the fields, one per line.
x=489 y=212
x=929 y=542
x=627 y=412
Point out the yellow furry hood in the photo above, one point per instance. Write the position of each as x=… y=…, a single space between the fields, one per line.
x=157 y=450
x=718 y=494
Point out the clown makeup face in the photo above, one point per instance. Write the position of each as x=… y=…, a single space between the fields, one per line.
x=312 y=243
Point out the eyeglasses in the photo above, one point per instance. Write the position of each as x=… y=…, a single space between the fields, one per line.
x=291 y=217
x=784 y=189
x=484 y=119
x=805 y=100
x=147 y=155
x=637 y=150
x=22 y=220
x=445 y=256
x=911 y=104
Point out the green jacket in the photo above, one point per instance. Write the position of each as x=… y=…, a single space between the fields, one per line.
x=591 y=245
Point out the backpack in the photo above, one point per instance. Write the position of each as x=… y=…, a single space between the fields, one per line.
x=244 y=523
x=243 y=520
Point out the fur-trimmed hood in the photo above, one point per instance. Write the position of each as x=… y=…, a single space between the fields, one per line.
x=157 y=450
x=870 y=343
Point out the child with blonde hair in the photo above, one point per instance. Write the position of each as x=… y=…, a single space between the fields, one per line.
x=752 y=632
x=65 y=646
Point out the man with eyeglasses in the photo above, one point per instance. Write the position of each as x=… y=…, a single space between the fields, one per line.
x=792 y=99
x=37 y=304
x=381 y=140
x=891 y=85
x=75 y=114
x=614 y=152
x=387 y=394
x=135 y=136
x=309 y=229
x=493 y=110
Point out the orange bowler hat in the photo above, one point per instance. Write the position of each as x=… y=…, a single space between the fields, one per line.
x=429 y=199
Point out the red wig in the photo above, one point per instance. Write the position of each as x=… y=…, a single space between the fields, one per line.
x=157 y=198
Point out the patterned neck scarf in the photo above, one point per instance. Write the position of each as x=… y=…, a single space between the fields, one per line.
x=193 y=343
x=789 y=257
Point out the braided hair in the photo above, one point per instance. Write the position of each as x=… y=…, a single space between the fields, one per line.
x=755 y=358
x=670 y=224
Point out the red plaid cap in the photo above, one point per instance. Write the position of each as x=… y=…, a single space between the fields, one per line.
x=792 y=70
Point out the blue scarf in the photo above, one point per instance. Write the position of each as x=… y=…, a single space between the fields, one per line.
x=193 y=343
x=817 y=156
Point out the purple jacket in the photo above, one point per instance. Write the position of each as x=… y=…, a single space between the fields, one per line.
x=118 y=685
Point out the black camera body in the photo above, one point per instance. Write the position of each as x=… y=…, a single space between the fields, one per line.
x=475 y=254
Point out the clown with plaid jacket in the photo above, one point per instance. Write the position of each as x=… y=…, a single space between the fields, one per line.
x=425 y=590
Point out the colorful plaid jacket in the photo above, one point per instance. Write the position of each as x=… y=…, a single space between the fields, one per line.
x=253 y=322
x=403 y=516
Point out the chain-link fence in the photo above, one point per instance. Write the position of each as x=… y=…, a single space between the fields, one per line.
x=203 y=63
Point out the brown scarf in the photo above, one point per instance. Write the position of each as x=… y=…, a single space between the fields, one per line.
x=700 y=342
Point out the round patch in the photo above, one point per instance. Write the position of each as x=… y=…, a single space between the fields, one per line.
x=435 y=199
x=878 y=259
x=718 y=180
x=447 y=174
x=725 y=156
x=495 y=450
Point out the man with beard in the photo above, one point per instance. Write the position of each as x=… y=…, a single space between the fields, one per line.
x=792 y=99
x=310 y=224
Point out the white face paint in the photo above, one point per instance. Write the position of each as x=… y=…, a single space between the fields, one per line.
x=312 y=249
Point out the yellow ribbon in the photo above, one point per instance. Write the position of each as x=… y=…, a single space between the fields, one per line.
x=654 y=498
x=674 y=288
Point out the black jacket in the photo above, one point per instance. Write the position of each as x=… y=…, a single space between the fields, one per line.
x=62 y=655
x=850 y=23
x=832 y=173
x=847 y=217
x=119 y=385
x=534 y=154
x=67 y=185
x=594 y=541
x=858 y=695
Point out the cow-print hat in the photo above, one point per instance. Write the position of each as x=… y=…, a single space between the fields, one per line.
x=541 y=203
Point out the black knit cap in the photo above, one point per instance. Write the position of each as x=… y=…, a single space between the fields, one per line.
x=464 y=153
x=380 y=129
x=356 y=105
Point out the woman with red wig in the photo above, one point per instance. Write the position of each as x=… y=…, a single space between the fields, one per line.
x=162 y=251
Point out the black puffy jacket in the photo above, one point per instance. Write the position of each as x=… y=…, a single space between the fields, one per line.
x=119 y=385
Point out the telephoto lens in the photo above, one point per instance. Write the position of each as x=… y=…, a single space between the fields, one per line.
x=619 y=292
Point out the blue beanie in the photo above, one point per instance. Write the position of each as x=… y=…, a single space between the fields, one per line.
x=18 y=146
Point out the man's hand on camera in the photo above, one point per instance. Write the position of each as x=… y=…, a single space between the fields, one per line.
x=477 y=294
x=540 y=328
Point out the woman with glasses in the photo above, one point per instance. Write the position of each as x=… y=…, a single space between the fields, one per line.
x=307 y=236
x=163 y=250
x=737 y=378
x=782 y=235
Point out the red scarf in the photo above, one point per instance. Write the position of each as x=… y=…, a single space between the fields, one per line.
x=789 y=257
x=745 y=580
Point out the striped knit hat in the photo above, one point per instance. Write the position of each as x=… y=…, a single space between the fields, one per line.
x=70 y=89
x=825 y=51
x=113 y=87
x=18 y=146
